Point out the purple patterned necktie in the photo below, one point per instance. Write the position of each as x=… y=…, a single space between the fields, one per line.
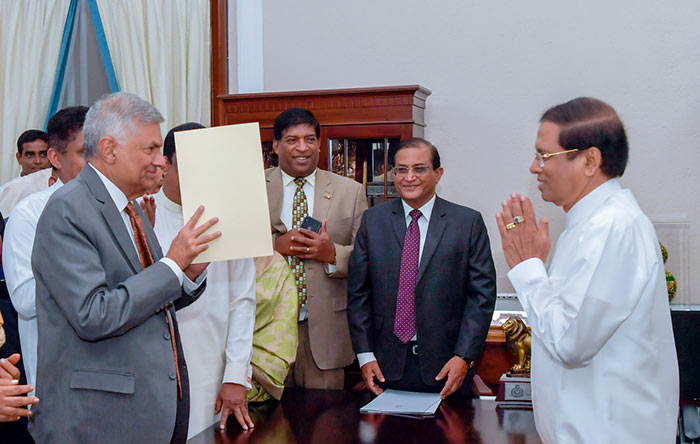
x=405 y=320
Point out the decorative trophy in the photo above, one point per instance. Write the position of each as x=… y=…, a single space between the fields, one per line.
x=514 y=386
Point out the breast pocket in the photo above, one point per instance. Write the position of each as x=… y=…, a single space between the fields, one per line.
x=102 y=380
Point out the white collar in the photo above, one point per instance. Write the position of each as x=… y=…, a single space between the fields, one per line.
x=287 y=179
x=117 y=195
x=168 y=204
x=590 y=202
x=426 y=209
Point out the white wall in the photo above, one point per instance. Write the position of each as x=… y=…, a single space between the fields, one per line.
x=494 y=68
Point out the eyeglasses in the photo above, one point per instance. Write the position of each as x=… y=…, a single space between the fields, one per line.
x=542 y=157
x=418 y=170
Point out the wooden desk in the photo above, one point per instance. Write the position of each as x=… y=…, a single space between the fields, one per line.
x=333 y=417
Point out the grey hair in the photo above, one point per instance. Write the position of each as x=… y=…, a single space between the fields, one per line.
x=114 y=115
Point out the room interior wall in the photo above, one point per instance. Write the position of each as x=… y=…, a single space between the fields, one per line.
x=493 y=68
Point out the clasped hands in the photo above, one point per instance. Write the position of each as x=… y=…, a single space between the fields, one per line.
x=306 y=244
x=12 y=399
x=521 y=236
x=455 y=369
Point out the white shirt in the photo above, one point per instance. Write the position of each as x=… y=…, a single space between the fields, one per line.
x=423 y=223
x=20 y=187
x=17 y=263
x=217 y=329
x=604 y=366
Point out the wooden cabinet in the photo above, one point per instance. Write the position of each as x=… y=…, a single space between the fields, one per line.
x=360 y=127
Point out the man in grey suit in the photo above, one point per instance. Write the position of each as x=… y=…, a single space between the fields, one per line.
x=110 y=364
x=421 y=284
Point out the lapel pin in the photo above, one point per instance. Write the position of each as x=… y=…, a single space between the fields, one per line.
x=327 y=195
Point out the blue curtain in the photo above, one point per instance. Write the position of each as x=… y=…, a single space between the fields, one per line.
x=62 y=60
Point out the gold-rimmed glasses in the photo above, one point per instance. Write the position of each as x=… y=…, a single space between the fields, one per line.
x=542 y=157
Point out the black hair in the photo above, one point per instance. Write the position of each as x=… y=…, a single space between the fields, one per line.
x=587 y=122
x=169 y=142
x=418 y=142
x=294 y=117
x=64 y=125
x=30 y=136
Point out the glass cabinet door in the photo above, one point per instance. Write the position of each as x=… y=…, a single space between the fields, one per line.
x=368 y=161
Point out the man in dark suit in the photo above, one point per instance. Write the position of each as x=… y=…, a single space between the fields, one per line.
x=110 y=362
x=421 y=284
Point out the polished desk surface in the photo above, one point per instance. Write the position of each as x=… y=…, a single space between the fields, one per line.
x=333 y=417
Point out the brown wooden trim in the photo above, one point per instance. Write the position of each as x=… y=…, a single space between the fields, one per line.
x=219 y=59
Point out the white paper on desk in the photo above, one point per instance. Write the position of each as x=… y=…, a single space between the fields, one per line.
x=222 y=169
x=399 y=402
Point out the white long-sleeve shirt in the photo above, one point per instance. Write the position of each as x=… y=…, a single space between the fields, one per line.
x=604 y=367
x=17 y=264
x=216 y=330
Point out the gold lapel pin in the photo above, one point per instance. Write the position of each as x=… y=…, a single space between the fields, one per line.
x=327 y=195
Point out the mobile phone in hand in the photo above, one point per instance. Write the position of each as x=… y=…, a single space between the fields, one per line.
x=311 y=224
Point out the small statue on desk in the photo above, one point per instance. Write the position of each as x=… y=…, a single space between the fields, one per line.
x=671 y=283
x=519 y=342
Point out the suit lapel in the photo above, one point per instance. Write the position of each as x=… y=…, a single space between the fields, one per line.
x=275 y=194
x=323 y=193
x=436 y=227
x=111 y=216
x=398 y=221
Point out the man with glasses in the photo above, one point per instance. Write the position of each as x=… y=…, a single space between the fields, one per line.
x=604 y=365
x=421 y=284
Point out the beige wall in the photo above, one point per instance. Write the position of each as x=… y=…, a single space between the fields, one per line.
x=494 y=68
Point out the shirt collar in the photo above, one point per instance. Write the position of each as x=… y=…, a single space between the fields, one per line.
x=117 y=195
x=57 y=184
x=426 y=209
x=287 y=179
x=590 y=202
x=169 y=205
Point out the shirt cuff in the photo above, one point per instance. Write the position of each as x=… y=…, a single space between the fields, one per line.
x=364 y=358
x=525 y=272
x=331 y=268
x=236 y=373
x=185 y=282
x=173 y=266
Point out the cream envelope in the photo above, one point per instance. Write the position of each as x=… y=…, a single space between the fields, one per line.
x=222 y=169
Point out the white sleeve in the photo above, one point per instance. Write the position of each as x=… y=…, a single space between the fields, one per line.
x=17 y=245
x=241 y=322
x=574 y=316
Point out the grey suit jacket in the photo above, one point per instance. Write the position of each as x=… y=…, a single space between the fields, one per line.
x=455 y=289
x=105 y=361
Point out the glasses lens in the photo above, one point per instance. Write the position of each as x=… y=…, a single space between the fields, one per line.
x=539 y=159
x=420 y=169
x=400 y=171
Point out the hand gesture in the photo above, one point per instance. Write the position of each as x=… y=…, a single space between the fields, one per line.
x=148 y=205
x=316 y=246
x=191 y=241
x=522 y=238
x=232 y=399
x=370 y=371
x=456 y=370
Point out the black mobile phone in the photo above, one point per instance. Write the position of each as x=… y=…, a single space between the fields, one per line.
x=311 y=224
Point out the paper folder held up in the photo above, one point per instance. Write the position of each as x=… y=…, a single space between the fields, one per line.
x=222 y=169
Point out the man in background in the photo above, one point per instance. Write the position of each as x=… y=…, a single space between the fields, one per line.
x=296 y=189
x=35 y=174
x=604 y=366
x=421 y=284
x=65 y=135
x=217 y=329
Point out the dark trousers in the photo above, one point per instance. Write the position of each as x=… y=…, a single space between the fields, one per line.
x=412 y=381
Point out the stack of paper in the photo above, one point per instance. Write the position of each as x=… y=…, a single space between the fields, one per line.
x=398 y=402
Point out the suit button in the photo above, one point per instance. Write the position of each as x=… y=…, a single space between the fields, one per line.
x=172 y=375
x=166 y=336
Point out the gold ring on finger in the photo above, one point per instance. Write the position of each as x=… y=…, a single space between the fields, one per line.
x=519 y=219
x=307 y=249
x=510 y=226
